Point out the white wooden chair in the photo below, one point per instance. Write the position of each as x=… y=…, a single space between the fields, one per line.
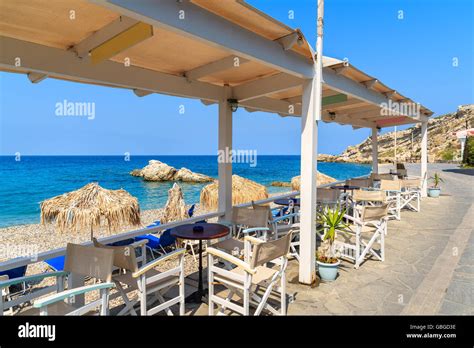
x=365 y=231
x=250 y=276
x=236 y=247
x=12 y=302
x=84 y=261
x=393 y=190
x=381 y=176
x=327 y=197
x=411 y=194
x=363 y=198
x=147 y=280
x=245 y=221
x=288 y=224
x=363 y=183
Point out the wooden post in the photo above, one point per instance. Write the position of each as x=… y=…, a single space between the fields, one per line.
x=375 y=151
x=424 y=159
x=224 y=158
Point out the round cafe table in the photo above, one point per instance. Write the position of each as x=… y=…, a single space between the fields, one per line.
x=209 y=231
x=286 y=201
x=345 y=187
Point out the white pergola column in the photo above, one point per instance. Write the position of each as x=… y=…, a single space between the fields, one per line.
x=225 y=151
x=375 y=151
x=309 y=154
x=424 y=158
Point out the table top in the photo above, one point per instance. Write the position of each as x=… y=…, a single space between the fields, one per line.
x=345 y=187
x=211 y=231
x=286 y=201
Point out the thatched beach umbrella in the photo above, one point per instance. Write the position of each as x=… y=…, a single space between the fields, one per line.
x=243 y=191
x=175 y=208
x=321 y=179
x=86 y=208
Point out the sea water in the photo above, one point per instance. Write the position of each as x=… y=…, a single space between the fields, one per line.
x=26 y=181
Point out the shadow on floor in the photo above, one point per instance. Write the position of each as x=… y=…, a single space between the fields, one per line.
x=465 y=171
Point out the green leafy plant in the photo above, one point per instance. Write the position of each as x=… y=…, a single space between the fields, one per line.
x=436 y=179
x=468 y=157
x=330 y=221
x=448 y=154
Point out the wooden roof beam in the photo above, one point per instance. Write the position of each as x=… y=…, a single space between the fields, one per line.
x=141 y=92
x=370 y=84
x=265 y=86
x=288 y=41
x=215 y=67
x=103 y=35
x=36 y=77
x=56 y=62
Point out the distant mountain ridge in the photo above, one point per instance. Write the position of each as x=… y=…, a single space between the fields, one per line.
x=442 y=143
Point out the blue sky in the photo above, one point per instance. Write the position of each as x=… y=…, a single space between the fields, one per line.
x=413 y=55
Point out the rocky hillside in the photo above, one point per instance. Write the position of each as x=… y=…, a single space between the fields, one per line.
x=442 y=143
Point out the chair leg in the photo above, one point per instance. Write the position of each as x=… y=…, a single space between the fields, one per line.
x=227 y=299
x=283 y=294
x=142 y=294
x=182 y=293
x=357 y=249
x=104 y=305
x=128 y=304
x=382 y=242
x=247 y=301
x=264 y=299
x=210 y=264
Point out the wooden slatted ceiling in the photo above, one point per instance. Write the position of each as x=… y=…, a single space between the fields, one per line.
x=48 y=22
x=170 y=53
x=250 y=18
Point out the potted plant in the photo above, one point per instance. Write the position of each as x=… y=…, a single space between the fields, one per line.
x=331 y=221
x=435 y=190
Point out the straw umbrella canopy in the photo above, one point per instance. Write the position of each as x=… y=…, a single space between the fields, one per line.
x=87 y=207
x=175 y=208
x=321 y=179
x=243 y=191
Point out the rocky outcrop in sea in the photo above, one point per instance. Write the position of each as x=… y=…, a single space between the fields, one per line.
x=159 y=171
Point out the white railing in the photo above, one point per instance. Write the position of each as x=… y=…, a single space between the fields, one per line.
x=22 y=261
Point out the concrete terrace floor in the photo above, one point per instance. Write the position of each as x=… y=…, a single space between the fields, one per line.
x=428 y=268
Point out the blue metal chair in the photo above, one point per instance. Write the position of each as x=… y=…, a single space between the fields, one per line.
x=56 y=263
x=191 y=210
x=15 y=272
x=157 y=244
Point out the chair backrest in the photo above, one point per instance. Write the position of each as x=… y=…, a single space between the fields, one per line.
x=383 y=176
x=191 y=210
x=255 y=216
x=268 y=251
x=390 y=185
x=89 y=261
x=401 y=166
x=327 y=195
x=411 y=183
x=124 y=256
x=373 y=213
x=359 y=182
x=369 y=196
